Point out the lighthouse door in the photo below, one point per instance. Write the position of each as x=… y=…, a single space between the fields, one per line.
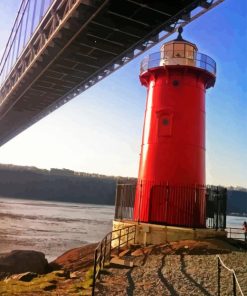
x=158 y=204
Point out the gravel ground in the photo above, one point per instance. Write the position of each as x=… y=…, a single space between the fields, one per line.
x=175 y=270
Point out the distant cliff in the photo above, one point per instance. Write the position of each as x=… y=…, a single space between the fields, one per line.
x=56 y=185
x=69 y=186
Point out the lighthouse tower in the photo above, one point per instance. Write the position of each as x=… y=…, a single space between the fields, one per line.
x=170 y=188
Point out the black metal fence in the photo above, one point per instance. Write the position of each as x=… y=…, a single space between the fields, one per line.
x=114 y=240
x=124 y=201
x=216 y=202
x=212 y=198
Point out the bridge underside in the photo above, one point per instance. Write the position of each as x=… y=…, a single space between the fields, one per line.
x=90 y=40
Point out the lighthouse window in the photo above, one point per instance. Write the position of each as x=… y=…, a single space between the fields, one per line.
x=179 y=50
x=189 y=51
x=165 y=124
x=165 y=121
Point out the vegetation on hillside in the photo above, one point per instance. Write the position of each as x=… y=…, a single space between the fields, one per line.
x=69 y=186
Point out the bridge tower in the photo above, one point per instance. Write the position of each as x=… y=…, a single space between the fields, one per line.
x=173 y=141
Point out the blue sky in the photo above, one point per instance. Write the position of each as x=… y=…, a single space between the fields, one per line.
x=100 y=130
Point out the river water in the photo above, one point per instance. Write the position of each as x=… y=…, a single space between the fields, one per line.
x=55 y=227
x=51 y=227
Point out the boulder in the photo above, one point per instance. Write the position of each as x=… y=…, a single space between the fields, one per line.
x=24 y=277
x=21 y=261
x=75 y=259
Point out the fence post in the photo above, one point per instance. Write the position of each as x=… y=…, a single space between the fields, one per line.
x=119 y=240
x=135 y=234
x=234 y=285
x=94 y=270
x=219 y=271
x=105 y=243
x=195 y=208
x=140 y=196
x=167 y=199
x=225 y=204
x=121 y=201
x=133 y=195
x=110 y=248
x=100 y=258
x=116 y=201
x=217 y=203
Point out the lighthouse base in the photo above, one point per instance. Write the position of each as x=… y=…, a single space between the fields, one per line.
x=157 y=234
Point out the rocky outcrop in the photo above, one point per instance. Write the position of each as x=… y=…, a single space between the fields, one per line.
x=75 y=259
x=24 y=277
x=21 y=261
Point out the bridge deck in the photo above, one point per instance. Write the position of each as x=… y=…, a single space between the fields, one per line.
x=77 y=45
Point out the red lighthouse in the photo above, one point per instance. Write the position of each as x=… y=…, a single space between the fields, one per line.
x=170 y=188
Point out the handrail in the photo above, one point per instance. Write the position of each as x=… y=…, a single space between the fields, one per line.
x=235 y=228
x=234 y=277
x=233 y=232
x=103 y=251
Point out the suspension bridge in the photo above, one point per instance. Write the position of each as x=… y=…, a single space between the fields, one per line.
x=59 y=48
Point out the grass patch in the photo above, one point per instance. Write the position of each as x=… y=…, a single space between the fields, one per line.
x=84 y=287
x=44 y=284
x=39 y=284
x=88 y=282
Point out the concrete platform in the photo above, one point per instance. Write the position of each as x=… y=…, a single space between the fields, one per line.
x=157 y=234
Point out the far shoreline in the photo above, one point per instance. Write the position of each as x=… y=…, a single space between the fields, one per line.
x=244 y=215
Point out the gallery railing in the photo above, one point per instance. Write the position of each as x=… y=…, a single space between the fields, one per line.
x=179 y=57
x=187 y=200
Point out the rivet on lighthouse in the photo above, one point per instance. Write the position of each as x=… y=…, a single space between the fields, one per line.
x=173 y=140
